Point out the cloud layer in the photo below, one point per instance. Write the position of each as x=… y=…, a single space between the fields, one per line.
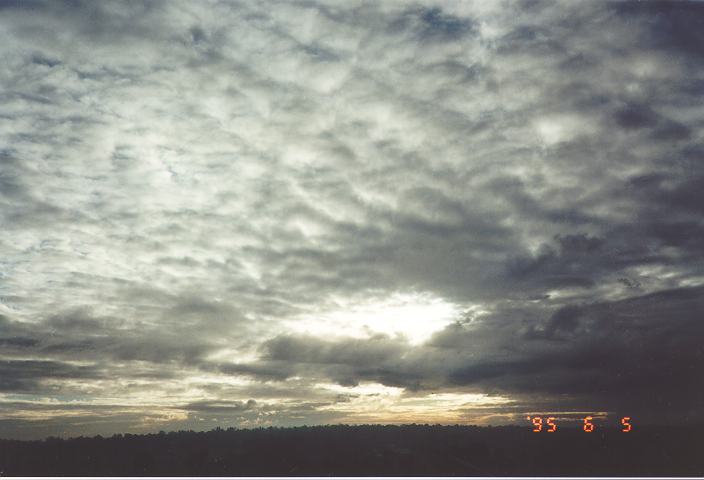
x=246 y=214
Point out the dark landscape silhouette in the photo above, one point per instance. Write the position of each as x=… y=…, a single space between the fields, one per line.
x=366 y=450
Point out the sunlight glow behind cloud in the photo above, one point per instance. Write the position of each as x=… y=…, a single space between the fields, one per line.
x=414 y=316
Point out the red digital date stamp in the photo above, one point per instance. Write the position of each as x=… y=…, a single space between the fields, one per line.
x=549 y=424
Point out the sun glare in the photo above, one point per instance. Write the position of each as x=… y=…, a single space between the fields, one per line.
x=412 y=316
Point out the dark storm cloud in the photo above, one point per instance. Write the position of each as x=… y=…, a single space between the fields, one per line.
x=193 y=192
x=78 y=336
x=673 y=26
x=346 y=362
x=25 y=375
x=608 y=353
x=636 y=117
x=225 y=407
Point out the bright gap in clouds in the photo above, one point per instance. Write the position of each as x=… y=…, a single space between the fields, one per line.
x=373 y=402
x=414 y=316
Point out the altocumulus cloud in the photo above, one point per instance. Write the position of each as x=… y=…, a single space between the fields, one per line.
x=280 y=213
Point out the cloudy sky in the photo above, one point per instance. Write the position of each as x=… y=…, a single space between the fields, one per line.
x=287 y=213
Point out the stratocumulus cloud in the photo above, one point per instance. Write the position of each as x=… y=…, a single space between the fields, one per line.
x=283 y=213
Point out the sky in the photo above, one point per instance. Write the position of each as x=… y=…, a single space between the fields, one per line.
x=252 y=214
